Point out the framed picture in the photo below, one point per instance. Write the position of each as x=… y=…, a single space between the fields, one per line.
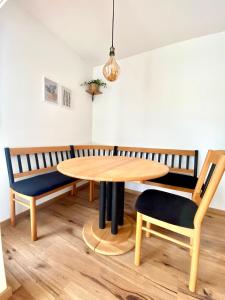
x=66 y=95
x=51 y=91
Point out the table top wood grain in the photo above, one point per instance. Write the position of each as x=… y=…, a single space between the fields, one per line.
x=112 y=168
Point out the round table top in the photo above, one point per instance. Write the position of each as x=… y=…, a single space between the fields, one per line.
x=112 y=168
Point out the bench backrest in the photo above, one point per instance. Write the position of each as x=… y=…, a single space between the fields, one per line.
x=93 y=150
x=23 y=162
x=179 y=161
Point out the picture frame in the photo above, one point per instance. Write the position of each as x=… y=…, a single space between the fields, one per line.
x=66 y=97
x=51 y=91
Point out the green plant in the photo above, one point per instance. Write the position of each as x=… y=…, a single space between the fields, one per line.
x=98 y=82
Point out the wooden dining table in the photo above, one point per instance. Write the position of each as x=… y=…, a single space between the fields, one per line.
x=110 y=232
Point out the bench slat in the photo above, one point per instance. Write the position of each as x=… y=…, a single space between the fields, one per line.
x=173 y=158
x=28 y=162
x=187 y=162
x=159 y=156
x=36 y=160
x=85 y=147
x=166 y=158
x=44 y=160
x=155 y=150
x=56 y=157
x=50 y=157
x=180 y=161
x=33 y=150
x=34 y=172
x=19 y=163
x=62 y=157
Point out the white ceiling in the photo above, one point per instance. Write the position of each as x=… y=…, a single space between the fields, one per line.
x=141 y=25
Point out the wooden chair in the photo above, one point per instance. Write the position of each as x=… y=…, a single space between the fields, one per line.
x=93 y=150
x=179 y=214
x=31 y=163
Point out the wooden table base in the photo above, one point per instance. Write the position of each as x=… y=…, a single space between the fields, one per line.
x=103 y=242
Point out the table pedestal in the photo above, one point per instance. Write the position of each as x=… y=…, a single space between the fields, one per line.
x=104 y=242
x=111 y=233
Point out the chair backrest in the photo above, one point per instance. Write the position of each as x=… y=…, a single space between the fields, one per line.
x=93 y=150
x=23 y=162
x=179 y=161
x=209 y=179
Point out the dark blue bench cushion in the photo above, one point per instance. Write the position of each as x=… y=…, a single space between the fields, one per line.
x=179 y=180
x=41 y=184
x=167 y=207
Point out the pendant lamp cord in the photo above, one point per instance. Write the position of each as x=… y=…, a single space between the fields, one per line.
x=113 y=24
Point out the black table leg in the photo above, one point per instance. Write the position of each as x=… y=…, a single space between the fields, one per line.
x=117 y=206
x=111 y=206
x=102 y=205
x=121 y=202
x=109 y=202
x=114 y=225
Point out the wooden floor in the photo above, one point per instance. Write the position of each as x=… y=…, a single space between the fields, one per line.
x=60 y=266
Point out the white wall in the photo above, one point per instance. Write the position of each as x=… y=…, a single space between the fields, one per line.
x=27 y=53
x=172 y=97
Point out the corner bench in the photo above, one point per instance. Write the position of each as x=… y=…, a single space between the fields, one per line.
x=37 y=168
x=40 y=163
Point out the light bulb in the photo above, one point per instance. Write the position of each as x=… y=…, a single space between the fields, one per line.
x=111 y=69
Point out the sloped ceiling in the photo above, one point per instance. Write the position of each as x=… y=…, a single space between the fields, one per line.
x=141 y=25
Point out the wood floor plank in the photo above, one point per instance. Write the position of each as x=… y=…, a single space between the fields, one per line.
x=12 y=281
x=21 y=294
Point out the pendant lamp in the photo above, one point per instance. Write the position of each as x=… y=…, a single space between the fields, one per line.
x=111 y=69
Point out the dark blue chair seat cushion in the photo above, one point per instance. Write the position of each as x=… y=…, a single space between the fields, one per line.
x=167 y=207
x=179 y=180
x=41 y=184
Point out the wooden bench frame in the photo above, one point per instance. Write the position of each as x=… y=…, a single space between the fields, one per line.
x=152 y=153
x=30 y=201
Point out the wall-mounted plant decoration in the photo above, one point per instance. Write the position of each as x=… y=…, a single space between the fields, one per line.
x=94 y=87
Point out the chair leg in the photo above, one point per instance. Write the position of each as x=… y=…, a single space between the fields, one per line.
x=33 y=219
x=148 y=226
x=12 y=208
x=194 y=260
x=74 y=190
x=137 y=258
x=91 y=191
x=191 y=244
